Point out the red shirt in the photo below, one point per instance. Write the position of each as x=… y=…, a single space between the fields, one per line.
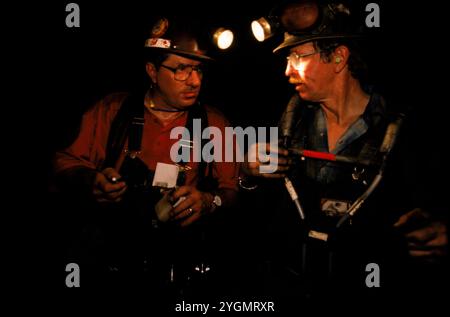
x=89 y=149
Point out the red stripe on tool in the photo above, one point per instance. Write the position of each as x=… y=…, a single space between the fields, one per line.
x=319 y=155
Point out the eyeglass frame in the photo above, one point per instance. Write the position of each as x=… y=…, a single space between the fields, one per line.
x=174 y=70
x=299 y=56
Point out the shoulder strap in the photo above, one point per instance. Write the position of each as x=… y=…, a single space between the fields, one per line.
x=300 y=114
x=197 y=112
x=128 y=121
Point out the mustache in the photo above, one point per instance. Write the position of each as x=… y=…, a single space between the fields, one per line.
x=294 y=81
x=191 y=89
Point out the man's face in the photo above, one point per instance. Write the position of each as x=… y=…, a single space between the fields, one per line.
x=173 y=92
x=311 y=75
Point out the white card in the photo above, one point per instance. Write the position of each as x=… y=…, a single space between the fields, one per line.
x=165 y=175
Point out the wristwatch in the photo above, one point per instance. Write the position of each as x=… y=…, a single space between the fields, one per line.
x=217 y=202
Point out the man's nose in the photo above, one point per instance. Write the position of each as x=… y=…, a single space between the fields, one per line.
x=194 y=79
x=289 y=71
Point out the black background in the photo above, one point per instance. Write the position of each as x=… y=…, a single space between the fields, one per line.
x=65 y=70
x=80 y=65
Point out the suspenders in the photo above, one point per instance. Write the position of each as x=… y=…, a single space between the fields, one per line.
x=129 y=122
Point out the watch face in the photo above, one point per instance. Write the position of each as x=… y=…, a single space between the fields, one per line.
x=217 y=200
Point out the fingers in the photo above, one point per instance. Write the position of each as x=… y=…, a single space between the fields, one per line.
x=187 y=215
x=111 y=173
x=267 y=160
x=191 y=208
x=192 y=199
x=432 y=236
x=181 y=191
x=412 y=220
x=189 y=202
x=187 y=212
x=190 y=219
x=104 y=185
x=109 y=188
x=110 y=197
x=430 y=255
x=260 y=151
x=427 y=240
x=253 y=169
x=421 y=235
x=284 y=161
x=113 y=180
x=433 y=251
x=270 y=148
x=116 y=196
x=105 y=190
x=414 y=215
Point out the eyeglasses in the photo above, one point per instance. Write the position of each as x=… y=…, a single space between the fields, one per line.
x=294 y=58
x=182 y=71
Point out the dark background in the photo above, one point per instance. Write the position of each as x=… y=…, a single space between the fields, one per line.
x=247 y=82
x=70 y=68
x=81 y=65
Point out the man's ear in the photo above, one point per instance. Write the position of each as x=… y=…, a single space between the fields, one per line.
x=151 y=72
x=340 y=57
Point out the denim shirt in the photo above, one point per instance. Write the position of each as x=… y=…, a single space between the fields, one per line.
x=327 y=172
x=318 y=178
